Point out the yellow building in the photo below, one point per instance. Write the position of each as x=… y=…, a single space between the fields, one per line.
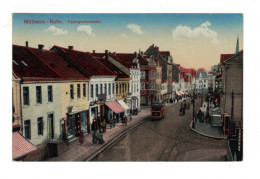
x=122 y=88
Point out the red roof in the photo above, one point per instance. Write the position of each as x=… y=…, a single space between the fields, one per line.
x=173 y=81
x=114 y=106
x=201 y=70
x=59 y=64
x=86 y=62
x=21 y=146
x=124 y=59
x=165 y=53
x=224 y=57
x=27 y=64
x=112 y=67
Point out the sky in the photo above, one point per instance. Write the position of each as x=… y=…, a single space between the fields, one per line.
x=194 y=40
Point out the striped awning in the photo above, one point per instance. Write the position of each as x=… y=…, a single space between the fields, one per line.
x=114 y=106
x=184 y=93
x=123 y=104
x=80 y=107
x=21 y=146
x=179 y=93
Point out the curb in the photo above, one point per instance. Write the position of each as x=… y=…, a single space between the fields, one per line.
x=114 y=140
x=206 y=135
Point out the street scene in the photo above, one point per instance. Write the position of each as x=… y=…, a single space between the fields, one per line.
x=127 y=87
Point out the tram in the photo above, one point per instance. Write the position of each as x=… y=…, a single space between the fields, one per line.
x=158 y=110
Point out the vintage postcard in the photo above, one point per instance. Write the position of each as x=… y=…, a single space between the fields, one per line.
x=127 y=87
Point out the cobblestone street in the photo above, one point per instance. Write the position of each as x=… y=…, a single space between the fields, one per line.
x=169 y=139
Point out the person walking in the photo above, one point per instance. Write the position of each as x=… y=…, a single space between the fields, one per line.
x=81 y=138
x=114 y=122
x=100 y=138
x=94 y=137
x=104 y=126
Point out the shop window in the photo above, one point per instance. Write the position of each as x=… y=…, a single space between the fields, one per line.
x=91 y=91
x=84 y=90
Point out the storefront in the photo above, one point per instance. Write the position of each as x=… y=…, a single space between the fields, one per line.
x=115 y=110
x=124 y=105
x=78 y=120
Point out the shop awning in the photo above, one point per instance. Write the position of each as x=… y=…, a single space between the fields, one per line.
x=21 y=146
x=179 y=93
x=123 y=104
x=80 y=107
x=114 y=106
x=184 y=93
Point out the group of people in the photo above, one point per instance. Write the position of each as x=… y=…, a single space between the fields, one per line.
x=97 y=137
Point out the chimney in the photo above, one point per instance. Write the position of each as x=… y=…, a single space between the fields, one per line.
x=153 y=45
x=142 y=52
x=114 y=53
x=94 y=51
x=26 y=43
x=40 y=46
x=106 y=54
x=135 y=54
x=70 y=47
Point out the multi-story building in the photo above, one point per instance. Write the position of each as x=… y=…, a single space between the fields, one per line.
x=122 y=84
x=16 y=104
x=102 y=102
x=201 y=82
x=166 y=61
x=129 y=64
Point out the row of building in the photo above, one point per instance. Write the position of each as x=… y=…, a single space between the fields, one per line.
x=58 y=93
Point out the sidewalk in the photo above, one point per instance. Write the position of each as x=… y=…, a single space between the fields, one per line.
x=88 y=150
x=205 y=129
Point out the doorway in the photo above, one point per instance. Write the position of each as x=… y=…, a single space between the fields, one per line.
x=51 y=126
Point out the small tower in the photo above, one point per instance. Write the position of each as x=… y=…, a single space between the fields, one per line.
x=237 y=47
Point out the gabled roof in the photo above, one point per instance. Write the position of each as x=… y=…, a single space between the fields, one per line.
x=124 y=59
x=59 y=64
x=224 y=57
x=235 y=59
x=112 y=67
x=165 y=53
x=26 y=65
x=85 y=61
x=203 y=74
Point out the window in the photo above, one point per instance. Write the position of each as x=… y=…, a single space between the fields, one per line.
x=152 y=74
x=116 y=88
x=96 y=90
x=40 y=125
x=105 y=89
x=39 y=94
x=78 y=90
x=84 y=90
x=152 y=86
x=71 y=92
x=101 y=89
x=26 y=96
x=109 y=88
x=142 y=74
x=204 y=86
x=142 y=86
x=50 y=95
x=113 y=88
x=27 y=129
x=204 y=81
x=91 y=91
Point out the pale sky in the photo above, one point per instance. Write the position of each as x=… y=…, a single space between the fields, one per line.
x=194 y=40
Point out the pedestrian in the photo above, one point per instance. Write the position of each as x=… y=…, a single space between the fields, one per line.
x=94 y=137
x=184 y=105
x=81 y=138
x=125 y=120
x=130 y=117
x=100 y=138
x=114 y=122
x=104 y=126
x=111 y=123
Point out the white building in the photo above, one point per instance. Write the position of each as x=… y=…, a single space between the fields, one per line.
x=201 y=82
